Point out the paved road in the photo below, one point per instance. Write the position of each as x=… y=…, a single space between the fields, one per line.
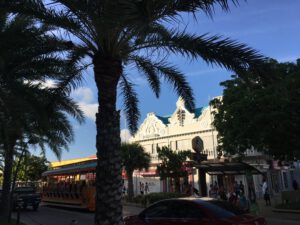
x=61 y=216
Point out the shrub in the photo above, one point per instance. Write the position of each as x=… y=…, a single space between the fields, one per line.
x=151 y=198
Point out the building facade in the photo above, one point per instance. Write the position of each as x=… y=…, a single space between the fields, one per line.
x=177 y=130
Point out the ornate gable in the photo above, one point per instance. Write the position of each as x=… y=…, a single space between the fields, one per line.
x=153 y=126
x=181 y=116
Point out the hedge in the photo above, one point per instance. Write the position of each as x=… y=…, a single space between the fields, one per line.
x=151 y=198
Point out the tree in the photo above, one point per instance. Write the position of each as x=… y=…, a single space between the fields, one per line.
x=261 y=113
x=31 y=167
x=30 y=111
x=134 y=157
x=172 y=165
x=115 y=34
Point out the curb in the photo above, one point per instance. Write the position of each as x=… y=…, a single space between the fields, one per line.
x=133 y=204
x=286 y=211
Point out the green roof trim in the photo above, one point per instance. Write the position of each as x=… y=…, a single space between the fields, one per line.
x=197 y=112
x=164 y=119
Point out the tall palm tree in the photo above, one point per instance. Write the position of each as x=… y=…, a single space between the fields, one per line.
x=133 y=157
x=117 y=33
x=28 y=110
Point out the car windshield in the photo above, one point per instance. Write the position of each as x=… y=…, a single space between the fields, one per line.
x=221 y=209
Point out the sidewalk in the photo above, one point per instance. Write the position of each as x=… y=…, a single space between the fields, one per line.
x=267 y=211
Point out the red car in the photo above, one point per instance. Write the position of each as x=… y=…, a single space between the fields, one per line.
x=193 y=211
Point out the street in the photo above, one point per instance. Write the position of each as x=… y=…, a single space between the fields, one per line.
x=62 y=216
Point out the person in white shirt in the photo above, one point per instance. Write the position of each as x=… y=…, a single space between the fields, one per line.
x=265 y=191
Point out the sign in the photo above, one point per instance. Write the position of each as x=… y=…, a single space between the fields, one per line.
x=197 y=144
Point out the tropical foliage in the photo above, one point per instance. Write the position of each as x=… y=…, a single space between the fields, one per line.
x=120 y=33
x=32 y=112
x=134 y=157
x=261 y=112
x=31 y=167
x=173 y=165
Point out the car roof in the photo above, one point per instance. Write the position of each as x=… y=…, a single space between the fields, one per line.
x=197 y=200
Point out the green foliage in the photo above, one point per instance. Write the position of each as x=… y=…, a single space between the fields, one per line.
x=289 y=206
x=134 y=157
x=172 y=163
x=31 y=167
x=261 y=111
x=151 y=198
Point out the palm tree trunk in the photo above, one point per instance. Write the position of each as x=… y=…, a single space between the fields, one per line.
x=130 y=184
x=7 y=175
x=109 y=171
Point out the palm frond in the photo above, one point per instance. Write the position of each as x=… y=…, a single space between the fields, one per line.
x=149 y=71
x=172 y=75
x=130 y=105
x=214 y=50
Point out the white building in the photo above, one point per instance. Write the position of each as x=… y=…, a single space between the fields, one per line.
x=177 y=131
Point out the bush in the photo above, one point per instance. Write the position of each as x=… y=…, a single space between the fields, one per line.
x=289 y=206
x=151 y=198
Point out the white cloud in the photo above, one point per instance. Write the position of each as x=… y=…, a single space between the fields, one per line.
x=204 y=71
x=89 y=110
x=84 y=94
x=85 y=98
x=46 y=84
x=125 y=135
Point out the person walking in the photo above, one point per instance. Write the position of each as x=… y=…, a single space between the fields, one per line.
x=242 y=187
x=265 y=191
x=142 y=188
x=295 y=185
x=146 y=188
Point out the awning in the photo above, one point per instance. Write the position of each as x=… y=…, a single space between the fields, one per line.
x=227 y=168
x=71 y=169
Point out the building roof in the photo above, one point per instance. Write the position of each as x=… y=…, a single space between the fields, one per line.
x=198 y=111
x=165 y=119
x=71 y=161
x=72 y=169
x=227 y=168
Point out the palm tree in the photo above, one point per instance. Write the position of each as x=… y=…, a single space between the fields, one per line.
x=29 y=111
x=171 y=165
x=133 y=157
x=117 y=33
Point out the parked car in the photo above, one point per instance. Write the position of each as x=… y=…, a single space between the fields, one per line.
x=28 y=197
x=17 y=202
x=193 y=211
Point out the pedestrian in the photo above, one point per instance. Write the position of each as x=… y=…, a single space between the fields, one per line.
x=236 y=188
x=242 y=187
x=212 y=192
x=222 y=194
x=146 y=188
x=295 y=185
x=243 y=203
x=232 y=198
x=142 y=188
x=124 y=190
x=265 y=191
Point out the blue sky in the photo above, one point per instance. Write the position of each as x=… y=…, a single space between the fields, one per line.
x=269 y=26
